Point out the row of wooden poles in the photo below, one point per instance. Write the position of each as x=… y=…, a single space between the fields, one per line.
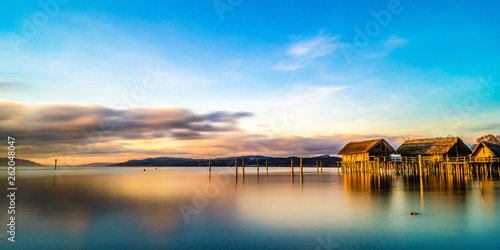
x=421 y=167
x=319 y=166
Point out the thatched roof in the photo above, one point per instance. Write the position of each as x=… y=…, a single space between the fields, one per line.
x=356 y=147
x=433 y=146
x=495 y=148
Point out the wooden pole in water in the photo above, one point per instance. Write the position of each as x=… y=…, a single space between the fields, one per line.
x=291 y=164
x=420 y=165
x=257 y=166
x=301 y=172
x=243 y=165
x=317 y=166
x=266 y=167
x=210 y=165
x=378 y=166
x=321 y=165
x=55 y=164
x=236 y=164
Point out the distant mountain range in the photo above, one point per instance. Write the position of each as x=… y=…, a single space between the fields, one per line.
x=4 y=162
x=328 y=161
x=96 y=164
x=27 y=163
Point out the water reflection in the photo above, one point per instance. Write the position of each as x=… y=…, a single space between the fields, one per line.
x=354 y=182
x=83 y=207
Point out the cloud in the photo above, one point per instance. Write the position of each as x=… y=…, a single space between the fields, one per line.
x=383 y=48
x=64 y=123
x=96 y=133
x=298 y=145
x=395 y=41
x=303 y=52
x=317 y=46
x=7 y=84
x=489 y=127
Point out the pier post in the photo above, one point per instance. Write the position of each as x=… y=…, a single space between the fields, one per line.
x=257 y=166
x=301 y=172
x=291 y=164
x=378 y=166
x=420 y=165
x=267 y=170
x=243 y=165
x=210 y=165
x=236 y=164
x=55 y=164
x=321 y=166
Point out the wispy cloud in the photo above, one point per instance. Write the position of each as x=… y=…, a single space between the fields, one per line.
x=395 y=41
x=381 y=49
x=6 y=83
x=303 y=52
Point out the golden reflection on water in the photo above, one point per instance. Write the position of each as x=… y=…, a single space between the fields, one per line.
x=328 y=199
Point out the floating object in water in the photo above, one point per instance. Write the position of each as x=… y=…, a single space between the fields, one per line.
x=143 y=169
x=412 y=213
x=156 y=168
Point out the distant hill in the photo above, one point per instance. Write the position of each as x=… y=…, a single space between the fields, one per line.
x=96 y=164
x=328 y=161
x=4 y=162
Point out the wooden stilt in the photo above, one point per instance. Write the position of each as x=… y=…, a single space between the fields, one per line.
x=301 y=171
x=378 y=166
x=420 y=165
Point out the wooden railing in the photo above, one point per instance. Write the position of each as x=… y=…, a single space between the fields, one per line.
x=434 y=159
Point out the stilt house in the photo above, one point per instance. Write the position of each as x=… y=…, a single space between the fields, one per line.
x=363 y=150
x=486 y=150
x=435 y=147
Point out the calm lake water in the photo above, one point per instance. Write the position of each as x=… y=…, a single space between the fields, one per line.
x=186 y=208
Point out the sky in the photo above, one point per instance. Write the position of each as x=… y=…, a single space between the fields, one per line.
x=94 y=81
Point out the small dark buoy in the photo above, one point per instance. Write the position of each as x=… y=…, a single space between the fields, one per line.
x=412 y=213
x=143 y=169
x=156 y=168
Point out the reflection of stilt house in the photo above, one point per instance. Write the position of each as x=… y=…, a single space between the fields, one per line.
x=363 y=150
x=485 y=150
x=437 y=148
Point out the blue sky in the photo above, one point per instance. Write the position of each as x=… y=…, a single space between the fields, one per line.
x=329 y=71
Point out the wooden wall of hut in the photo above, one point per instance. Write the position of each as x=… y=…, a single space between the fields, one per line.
x=424 y=166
